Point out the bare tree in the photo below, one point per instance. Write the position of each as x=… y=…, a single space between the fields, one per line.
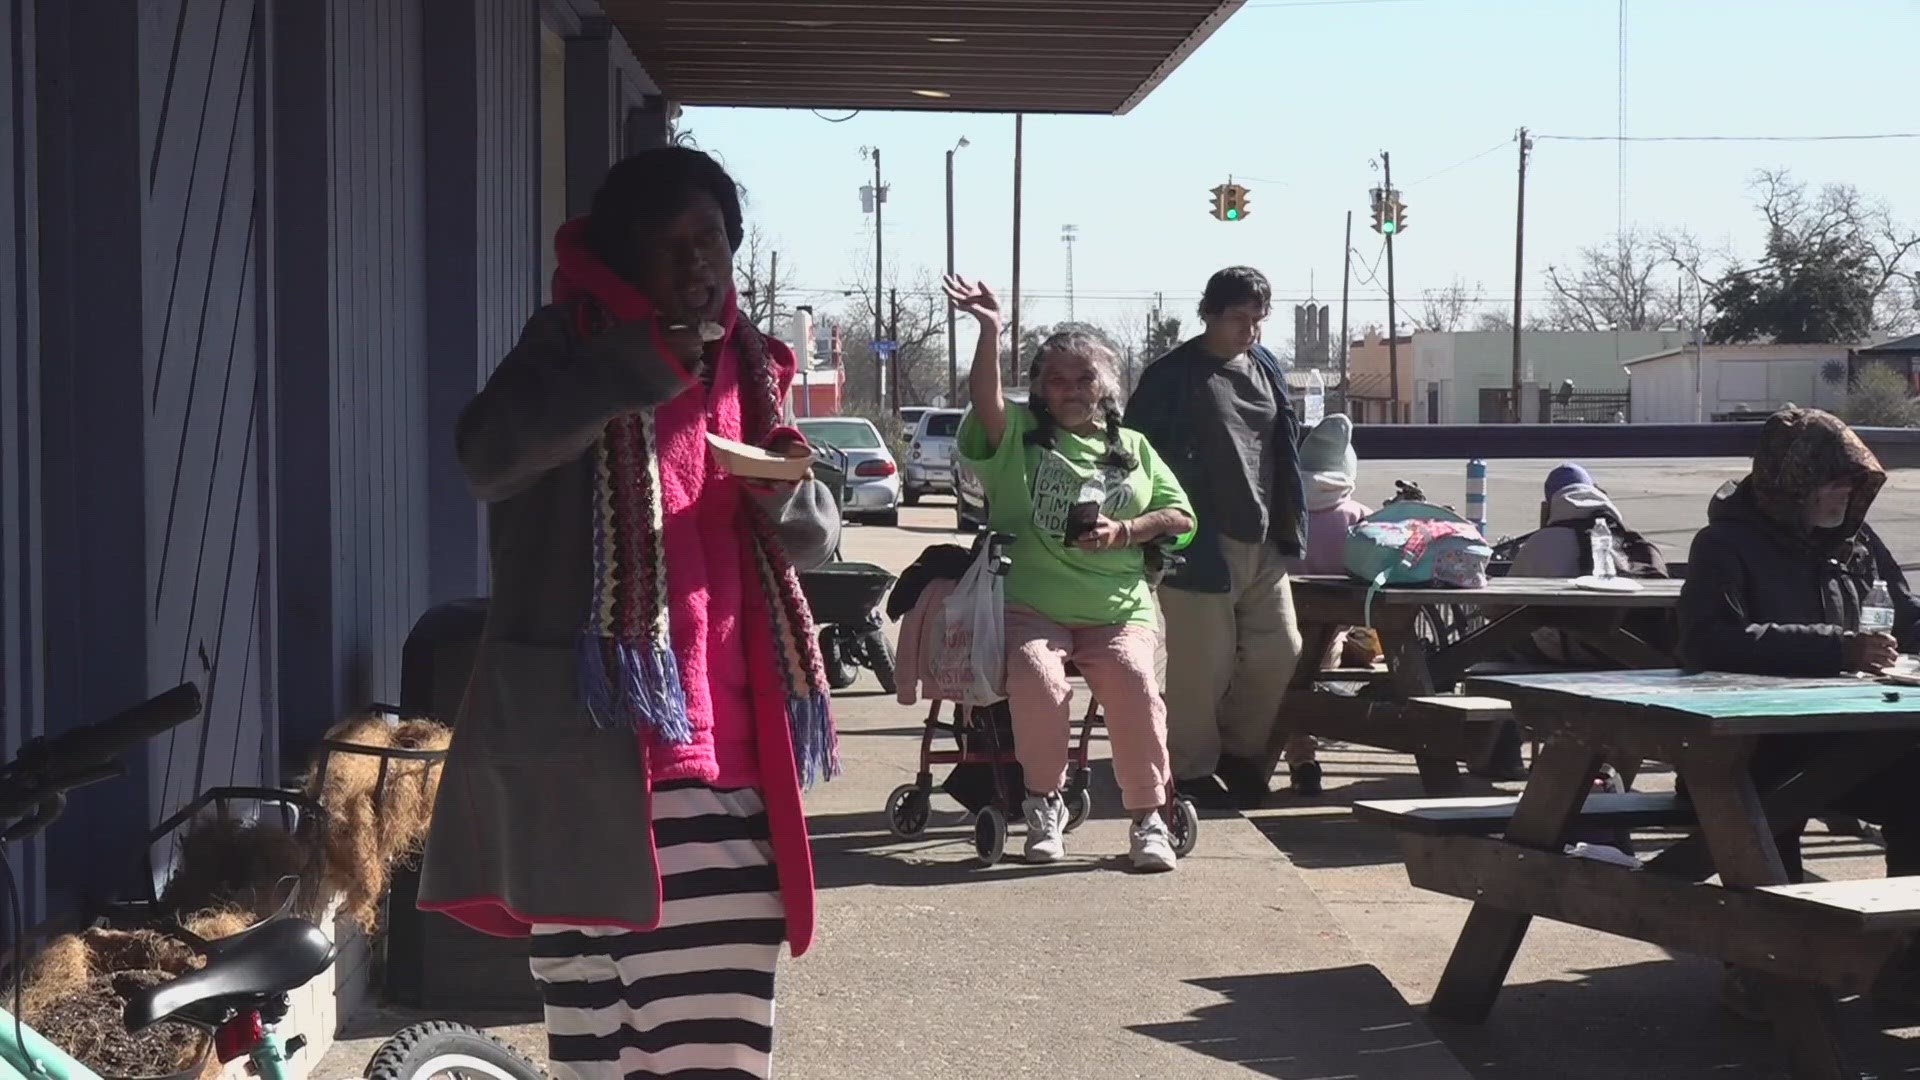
x=919 y=330
x=1447 y=309
x=1623 y=284
x=759 y=278
x=1839 y=219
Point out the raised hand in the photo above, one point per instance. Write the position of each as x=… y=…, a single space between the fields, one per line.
x=973 y=297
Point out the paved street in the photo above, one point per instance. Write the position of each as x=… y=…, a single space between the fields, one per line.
x=1289 y=945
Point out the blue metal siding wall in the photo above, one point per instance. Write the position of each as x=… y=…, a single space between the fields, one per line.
x=203 y=377
x=301 y=272
x=483 y=260
x=375 y=157
x=94 y=403
x=508 y=221
x=20 y=632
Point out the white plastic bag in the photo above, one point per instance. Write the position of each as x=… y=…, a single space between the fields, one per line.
x=969 y=662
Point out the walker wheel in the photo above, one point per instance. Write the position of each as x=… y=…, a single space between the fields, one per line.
x=990 y=836
x=908 y=810
x=1185 y=826
x=1079 y=807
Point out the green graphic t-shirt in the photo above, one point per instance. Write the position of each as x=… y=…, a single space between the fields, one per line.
x=1029 y=491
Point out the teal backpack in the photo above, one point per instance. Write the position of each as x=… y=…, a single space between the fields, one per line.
x=1416 y=543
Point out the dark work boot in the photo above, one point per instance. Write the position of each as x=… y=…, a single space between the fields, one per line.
x=1246 y=781
x=1304 y=777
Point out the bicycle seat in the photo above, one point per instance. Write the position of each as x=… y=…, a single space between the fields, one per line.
x=273 y=958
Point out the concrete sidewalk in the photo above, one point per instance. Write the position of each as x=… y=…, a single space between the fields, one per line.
x=1289 y=945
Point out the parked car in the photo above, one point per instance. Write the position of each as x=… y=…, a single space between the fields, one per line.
x=910 y=417
x=969 y=498
x=930 y=455
x=873 y=478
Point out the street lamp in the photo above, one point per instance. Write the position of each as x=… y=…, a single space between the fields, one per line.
x=1699 y=338
x=953 y=348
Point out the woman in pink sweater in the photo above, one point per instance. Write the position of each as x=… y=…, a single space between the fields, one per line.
x=1329 y=467
x=646 y=699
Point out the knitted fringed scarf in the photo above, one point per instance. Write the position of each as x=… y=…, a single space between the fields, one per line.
x=629 y=676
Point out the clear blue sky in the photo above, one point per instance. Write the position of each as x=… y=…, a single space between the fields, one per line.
x=1295 y=100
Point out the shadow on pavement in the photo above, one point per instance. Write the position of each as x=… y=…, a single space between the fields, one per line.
x=857 y=849
x=384 y=1021
x=1654 y=1018
x=1346 y=1022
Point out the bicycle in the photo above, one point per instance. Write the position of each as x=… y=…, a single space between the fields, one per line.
x=241 y=995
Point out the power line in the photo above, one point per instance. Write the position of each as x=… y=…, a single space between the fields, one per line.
x=1501 y=145
x=1872 y=137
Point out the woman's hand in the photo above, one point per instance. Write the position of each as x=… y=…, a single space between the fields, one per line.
x=1106 y=535
x=975 y=298
x=786 y=445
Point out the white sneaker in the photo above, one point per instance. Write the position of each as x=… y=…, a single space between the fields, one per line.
x=1046 y=827
x=1152 y=845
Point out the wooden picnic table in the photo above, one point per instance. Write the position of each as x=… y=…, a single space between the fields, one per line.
x=1416 y=667
x=1799 y=940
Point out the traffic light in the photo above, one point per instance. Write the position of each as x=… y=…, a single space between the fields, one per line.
x=1236 y=202
x=1389 y=213
x=1229 y=202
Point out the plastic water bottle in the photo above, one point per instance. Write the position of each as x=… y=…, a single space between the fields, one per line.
x=1876 y=615
x=1600 y=538
x=1316 y=403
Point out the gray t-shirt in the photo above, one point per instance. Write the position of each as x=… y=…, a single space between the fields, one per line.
x=1234 y=419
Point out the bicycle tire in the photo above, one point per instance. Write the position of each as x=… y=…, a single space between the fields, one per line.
x=426 y=1049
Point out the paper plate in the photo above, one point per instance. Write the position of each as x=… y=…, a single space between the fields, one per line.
x=1608 y=585
x=741 y=459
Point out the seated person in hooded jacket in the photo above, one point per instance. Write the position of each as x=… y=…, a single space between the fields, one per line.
x=1775 y=584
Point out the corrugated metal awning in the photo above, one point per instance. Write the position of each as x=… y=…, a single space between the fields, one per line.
x=1060 y=56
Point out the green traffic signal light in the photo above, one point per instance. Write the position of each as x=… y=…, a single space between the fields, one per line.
x=1233 y=214
x=1388 y=226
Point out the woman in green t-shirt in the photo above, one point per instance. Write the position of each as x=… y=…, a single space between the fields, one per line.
x=1079 y=494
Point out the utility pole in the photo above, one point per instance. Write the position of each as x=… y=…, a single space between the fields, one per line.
x=1393 y=335
x=953 y=346
x=893 y=335
x=1068 y=234
x=1019 y=134
x=878 y=205
x=1519 y=267
x=1346 y=279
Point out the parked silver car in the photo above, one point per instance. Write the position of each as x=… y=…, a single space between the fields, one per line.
x=930 y=455
x=969 y=498
x=873 y=478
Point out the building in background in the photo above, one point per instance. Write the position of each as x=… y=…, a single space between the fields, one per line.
x=819 y=380
x=1754 y=380
x=1466 y=377
x=1370 y=380
x=1901 y=355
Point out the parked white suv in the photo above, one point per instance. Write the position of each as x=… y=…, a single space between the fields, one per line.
x=930 y=455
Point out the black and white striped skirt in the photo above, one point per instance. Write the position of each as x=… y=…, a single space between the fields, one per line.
x=692 y=999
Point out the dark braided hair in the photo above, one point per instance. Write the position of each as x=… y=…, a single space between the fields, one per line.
x=1079 y=343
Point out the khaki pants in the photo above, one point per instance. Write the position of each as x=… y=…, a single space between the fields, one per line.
x=1229 y=658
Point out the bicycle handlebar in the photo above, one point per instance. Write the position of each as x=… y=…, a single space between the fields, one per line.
x=97 y=745
x=34 y=784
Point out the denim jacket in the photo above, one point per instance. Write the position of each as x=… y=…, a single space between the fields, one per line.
x=1161 y=408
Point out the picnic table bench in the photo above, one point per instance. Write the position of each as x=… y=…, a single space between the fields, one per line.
x=1802 y=941
x=1404 y=707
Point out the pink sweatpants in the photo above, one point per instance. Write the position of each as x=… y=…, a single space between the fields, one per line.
x=1117 y=662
